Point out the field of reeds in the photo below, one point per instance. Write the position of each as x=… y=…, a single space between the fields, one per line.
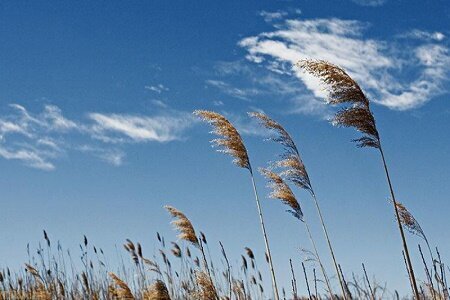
x=185 y=268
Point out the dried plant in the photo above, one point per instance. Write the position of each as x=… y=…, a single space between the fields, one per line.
x=206 y=290
x=231 y=142
x=409 y=222
x=157 y=291
x=183 y=225
x=344 y=90
x=281 y=191
x=124 y=291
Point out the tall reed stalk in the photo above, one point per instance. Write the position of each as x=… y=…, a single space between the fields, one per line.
x=357 y=114
x=231 y=143
x=295 y=171
x=281 y=191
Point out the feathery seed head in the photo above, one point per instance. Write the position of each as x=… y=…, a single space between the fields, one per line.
x=281 y=191
x=183 y=225
x=344 y=90
x=408 y=221
x=230 y=141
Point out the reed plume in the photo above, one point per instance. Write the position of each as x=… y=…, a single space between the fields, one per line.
x=281 y=191
x=356 y=113
x=231 y=143
x=157 y=291
x=124 y=291
x=183 y=225
x=409 y=222
x=294 y=170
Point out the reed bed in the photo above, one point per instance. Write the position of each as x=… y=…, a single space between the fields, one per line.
x=185 y=267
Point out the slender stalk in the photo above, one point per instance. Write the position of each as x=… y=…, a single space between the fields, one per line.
x=324 y=228
x=407 y=269
x=372 y=295
x=294 y=281
x=228 y=269
x=306 y=280
x=266 y=242
x=400 y=227
x=427 y=272
x=316 y=253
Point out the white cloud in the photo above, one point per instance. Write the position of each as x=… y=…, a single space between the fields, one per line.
x=240 y=93
x=370 y=2
x=376 y=65
x=116 y=127
x=55 y=121
x=38 y=139
x=424 y=35
x=30 y=158
x=271 y=16
x=159 y=88
x=114 y=157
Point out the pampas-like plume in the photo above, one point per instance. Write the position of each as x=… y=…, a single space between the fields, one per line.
x=124 y=292
x=183 y=225
x=206 y=290
x=281 y=191
x=157 y=291
x=230 y=141
x=409 y=222
x=344 y=90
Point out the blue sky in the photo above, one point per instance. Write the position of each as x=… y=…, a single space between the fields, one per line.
x=96 y=131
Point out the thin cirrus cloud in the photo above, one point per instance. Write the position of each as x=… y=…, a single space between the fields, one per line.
x=372 y=3
x=378 y=65
x=121 y=128
x=38 y=140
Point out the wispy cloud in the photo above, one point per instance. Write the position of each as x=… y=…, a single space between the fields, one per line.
x=270 y=16
x=31 y=158
x=158 y=88
x=376 y=64
x=39 y=139
x=370 y=2
x=121 y=128
x=424 y=35
x=240 y=93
